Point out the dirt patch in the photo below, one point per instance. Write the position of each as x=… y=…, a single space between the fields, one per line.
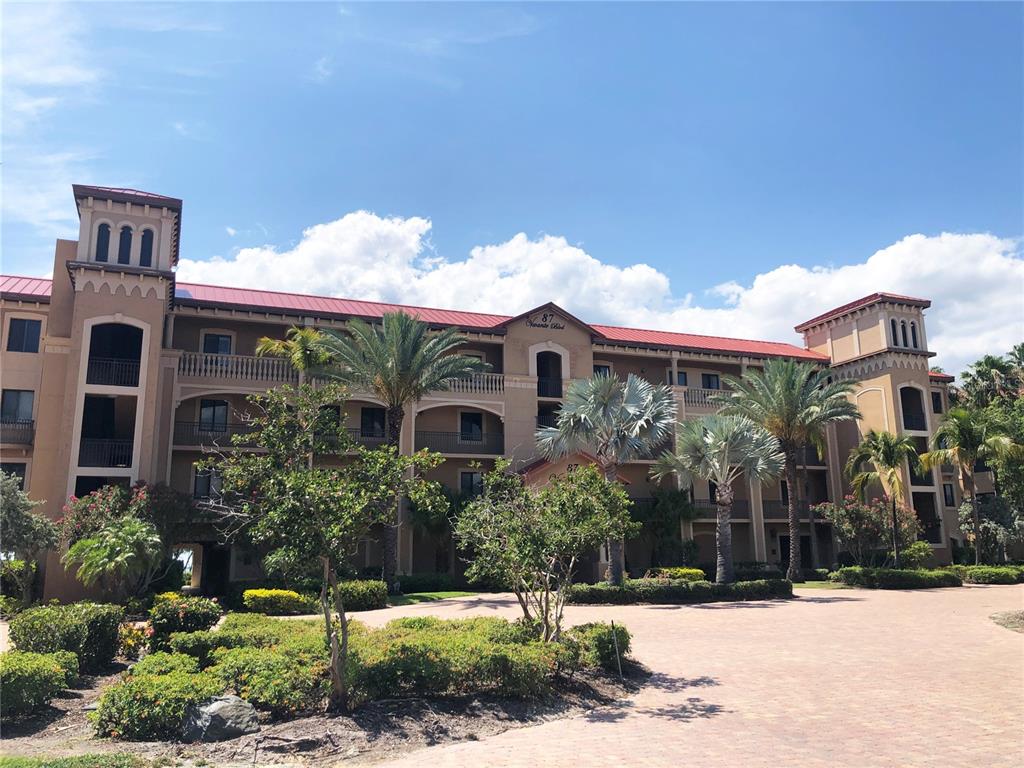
x=1010 y=619
x=377 y=731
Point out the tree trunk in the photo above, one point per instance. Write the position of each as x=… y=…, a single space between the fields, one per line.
x=794 y=573
x=723 y=535
x=815 y=560
x=338 y=699
x=975 y=515
x=393 y=419
x=616 y=554
x=895 y=536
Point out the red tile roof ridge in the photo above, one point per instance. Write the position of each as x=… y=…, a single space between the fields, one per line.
x=697 y=335
x=862 y=301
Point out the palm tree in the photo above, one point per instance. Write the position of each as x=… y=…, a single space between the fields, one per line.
x=398 y=361
x=887 y=453
x=615 y=421
x=721 y=448
x=303 y=348
x=795 y=402
x=964 y=438
x=990 y=378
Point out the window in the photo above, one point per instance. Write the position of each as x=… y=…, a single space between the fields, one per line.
x=16 y=404
x=15 y=468
x=471 y=483
x=213 y=415
x=103 y=242
x=602 y=369
x=784 y=488
x=913 y=335
x=471 y=426
x=23 y=335
x=371 y=422
x=217 y=343
x=947 y=495
x=680 y=378
x=207 y=485
x=903 y=333
x=895 y=335
x=710 y=381
x=936 y=402
x=146 y=253
x=124 y=246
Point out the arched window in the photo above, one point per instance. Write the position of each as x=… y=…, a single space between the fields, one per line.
x=913 y=335
x=102 y=242
x=903 y=332
x=895 y=336
x=124 y=246
x=146 y=254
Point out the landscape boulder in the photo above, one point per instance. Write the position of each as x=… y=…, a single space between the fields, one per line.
x=220 y=718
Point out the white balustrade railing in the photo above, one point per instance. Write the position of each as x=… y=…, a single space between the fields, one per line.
x=479 y=384
x=696 y=397
x=236 y=367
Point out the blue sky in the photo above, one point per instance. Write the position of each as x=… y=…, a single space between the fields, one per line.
x=710 y=142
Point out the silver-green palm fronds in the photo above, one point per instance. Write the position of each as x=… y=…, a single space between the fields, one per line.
x=616 y=422
x=119 y=552
x=886 y=454
x=722 y=448
x=302 y=347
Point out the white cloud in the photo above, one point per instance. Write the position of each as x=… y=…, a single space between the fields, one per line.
x=231 y=231
x=976 y=282
x=322 y=70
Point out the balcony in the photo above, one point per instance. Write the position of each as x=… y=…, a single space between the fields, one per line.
x=486 y=444
x=547 y=387
x=17 y=432
x=105 y=452
x=368 y=438
x=244 y=368
x=479 y=384
x=808 y=457
x=194 y=433
x=773 y=509
x=655 y=453
x=706 y=508
x=698 y=398
x=915 y=421
x=112 y=372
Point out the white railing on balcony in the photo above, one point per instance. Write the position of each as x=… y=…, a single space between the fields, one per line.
x=479 y=384
x=236 y=367
x=696 y=397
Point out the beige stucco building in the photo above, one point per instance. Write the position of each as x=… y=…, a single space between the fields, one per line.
x=115 y=372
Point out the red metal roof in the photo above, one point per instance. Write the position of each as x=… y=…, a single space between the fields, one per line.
x=195 y=294
x=863 y=302
x=941 y=376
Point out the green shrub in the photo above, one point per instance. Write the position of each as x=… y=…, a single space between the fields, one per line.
x=273 y=680
x=68 y=663
x=677 y=573
x=364 y=595
x=595 y=644
x=10 y=606
x=670 y=592
x=987 y=574
x=915 y=556
x=163 y=663
x=130 y=641
x=241 y=630
x=14 y=574
x=181 y=614
x=78 y=761
x=89 y=630
x=279 y=602
x=426 y=582
x=152 y=707
x=889 y=578
x=29 y=680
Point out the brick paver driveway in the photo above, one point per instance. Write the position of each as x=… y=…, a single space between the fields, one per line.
x=835 y=678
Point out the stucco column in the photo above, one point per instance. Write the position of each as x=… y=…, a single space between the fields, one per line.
x=757 y=522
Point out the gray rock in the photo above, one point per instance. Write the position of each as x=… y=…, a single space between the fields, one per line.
x=220 y=718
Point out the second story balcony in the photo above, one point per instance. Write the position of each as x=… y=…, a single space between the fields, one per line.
x=112 y=371
x=105 y=452
x=699 y=398
x=268 y=371
x=202 y=435
x=478 y=444
x=17 y=431
x=477 y=384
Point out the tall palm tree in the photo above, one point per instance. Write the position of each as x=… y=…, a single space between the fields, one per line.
x=988 y=379
x=615 y=421
x=964 y=438
x=722 y=448
x=399 y=361
x=795 y=402
x=302 y=347
x=887 y=453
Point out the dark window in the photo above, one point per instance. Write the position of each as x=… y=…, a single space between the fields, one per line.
x=124 y=246
x=23 y=335
x=16 y=404
x=913 y=335
x=471 y=483
x=936 y=402
x=471 y=426
x=710 y=381
x=217 y=343
x=213 y=415
x=371 y=422
x=103 y=242
x=146 y=253
x=207 y=484
x=947 y=495
x=784 y=488
x=15 y=468
x=903 y=333
x=895 y=334
x=603 y=370
x=547 y=415
x=680 y=378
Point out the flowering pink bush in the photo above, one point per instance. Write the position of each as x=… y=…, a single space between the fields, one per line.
x=864 y=529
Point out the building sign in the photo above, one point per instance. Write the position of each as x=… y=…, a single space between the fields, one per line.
x=548 y=320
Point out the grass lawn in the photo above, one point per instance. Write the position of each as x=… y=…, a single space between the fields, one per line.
x=425 y=597
x=820 y=585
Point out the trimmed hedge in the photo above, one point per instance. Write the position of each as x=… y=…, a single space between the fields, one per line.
x=988 y=574
x=180 y=614
x=163 y=663
x=426 y=582
x=273 y=680
x=279 y=602
x=677 y=573
x=661 y=591
x=889 y=578
x=152 y=707
x=89 y=630
x=29 y=680
x=364 y=594
x=597 y=645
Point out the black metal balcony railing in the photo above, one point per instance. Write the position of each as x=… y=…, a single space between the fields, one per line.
x=774 y=509
x=921 y=477
x=547 y=387
x=488 y=443
x=369 y=438
x=17 y=431
x=112 y=372
x=199 y=434
x=706 y=508
x=105 y=452
x=808 y=457
x=915 y=421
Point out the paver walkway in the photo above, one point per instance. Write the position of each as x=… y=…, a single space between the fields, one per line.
x=836 y=678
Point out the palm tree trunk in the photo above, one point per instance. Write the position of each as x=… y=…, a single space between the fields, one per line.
x=394 y=417
x=616 y=553
x=723 y=535
x=793 y=573
x=810 y=517
x=895 y=536
x=975 y=515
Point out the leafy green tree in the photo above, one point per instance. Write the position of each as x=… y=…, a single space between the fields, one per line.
x=795 y=402
x=302 y=347
x=887 y=454
x=1000 y=527
x=722 y=448
x=533 y=540
x=863 y=527
x=660 y=523
x=615 y=422
x=964 y=438
x=23 y=532
x=398 y=361
x=121 y=555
